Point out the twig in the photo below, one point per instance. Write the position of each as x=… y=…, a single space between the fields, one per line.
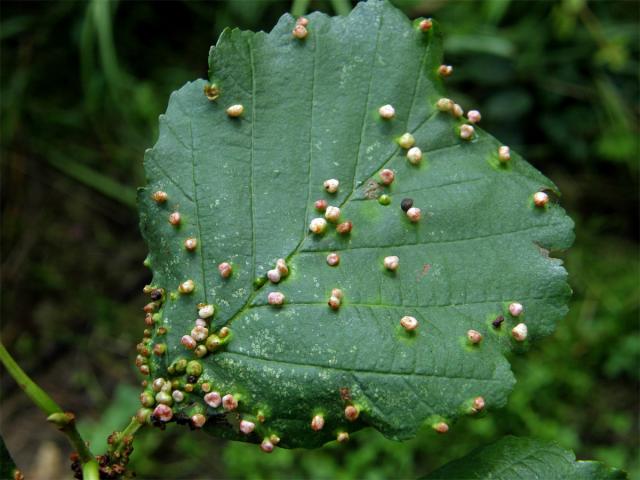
x=65 y=421
x=125 y=437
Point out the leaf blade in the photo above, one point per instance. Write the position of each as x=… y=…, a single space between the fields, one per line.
x=246 y=189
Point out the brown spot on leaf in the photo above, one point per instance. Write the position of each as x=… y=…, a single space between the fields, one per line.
x=345 y=394
x=372 y=189
x=425 y=269
x=543 y=251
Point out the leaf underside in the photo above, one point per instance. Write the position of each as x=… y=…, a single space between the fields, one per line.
x=513 y=458
x=245 y=188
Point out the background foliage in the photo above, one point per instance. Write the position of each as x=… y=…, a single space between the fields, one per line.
x=82 y=85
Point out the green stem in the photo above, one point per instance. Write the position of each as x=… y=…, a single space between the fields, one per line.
x=90 y=471
x=64 y=421
x=299 y=7
x=341 y=7
x=130 y=430
x=42 y=400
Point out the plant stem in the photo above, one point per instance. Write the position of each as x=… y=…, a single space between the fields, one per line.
x=64 y=421
x=130 y=430
x=90 y=471
x=299 y=7
x=43 y=401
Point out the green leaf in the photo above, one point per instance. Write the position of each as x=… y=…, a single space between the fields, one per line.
x=245 y=188
x=513 y=458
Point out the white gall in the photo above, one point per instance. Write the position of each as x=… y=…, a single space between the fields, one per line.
x=275 y=298
x=300 y=31
x=414 y=214
x=516 y=309
x=274 y=276
x=387 y=176
x=318 y=225
x=444 y=104
x=163 y=412
x=186 y=286
x=332 y=214
x=225 y=269
x=317 y=422
x=445 y=70
x=406 y=141
x=540 y=199
x=391 y=263
x=504 y=154
x=414 y=155
x=333 y=259
x=387 y=112
x=474 y=336
x=457 y=110
x=474 y=116
x=520 y=332
x=213 y=399
x=235 y=111
x=466 y=132
x=206 y=311
x=247 y=427
x=409 y=323
x=331 y=185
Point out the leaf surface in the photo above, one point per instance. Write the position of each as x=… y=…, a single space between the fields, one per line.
x=245 y=188
x=513 y=458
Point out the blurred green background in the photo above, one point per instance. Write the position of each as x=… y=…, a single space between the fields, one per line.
x=82 y=85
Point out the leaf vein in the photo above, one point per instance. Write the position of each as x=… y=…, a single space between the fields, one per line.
x=197 y=207
x=366 y=108
x=292 y=363
x=251 y=173
x=310 y=163
x=439 y=242
x=443 y=305
x=170 y=178
x=201 y=238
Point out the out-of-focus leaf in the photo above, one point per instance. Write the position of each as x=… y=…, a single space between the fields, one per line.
x=118 y=413
x=476 y=43
x=494 y=10
x=515 y=458
x=508 y=104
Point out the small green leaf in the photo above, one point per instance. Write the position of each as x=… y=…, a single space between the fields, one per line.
x=513 y=458
x=245 y=189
